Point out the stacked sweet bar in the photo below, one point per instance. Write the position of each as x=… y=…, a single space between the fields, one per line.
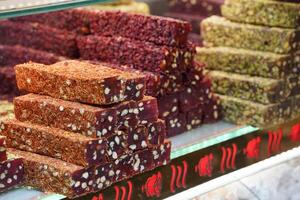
x=6 y=109
x=12 y=55
x=99 y=111
x=253 y=60
x=11 y=167
x=194 y=11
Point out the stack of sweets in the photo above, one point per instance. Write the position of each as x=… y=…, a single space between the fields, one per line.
x=83 y=127
x=252 y=56
x=12 y=55
x=194 y=11
x=6 y=109
x=11 y=167
x=130 y=6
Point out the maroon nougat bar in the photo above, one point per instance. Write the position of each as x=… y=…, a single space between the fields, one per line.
x=39 y=36
x=53 y=175
x=11 y=173
x=8 y=81
x=3 y=156
x=79 y=81
x=70 y=116
x=54 y=142
x=13 y=55
x=138 y=54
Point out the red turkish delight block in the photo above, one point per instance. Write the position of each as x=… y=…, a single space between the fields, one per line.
x=168 y=105
x=13 y=55
x=156 y=132
x=175 y=124
x=162 y=154
x=136 y=54
x=39 y=36
x=195 y=39
x=70 y=116
x=104 y=176
x=137 y=138
x=53 y=175
x=212 y=110
x=148 y=109
x=3 y=156
x=117 y=145
x=2 y=140
x=194 y=117
x=54 y=142
x=8 y=81
x=194 y=75
x=59 y=80
x=11 y=173
x=205 y=7
x=127 y=114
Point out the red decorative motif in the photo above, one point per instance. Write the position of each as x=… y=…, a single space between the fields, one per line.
x=152 y=187
x=100 y=197
x=178 y=179
x=228 y=157
x=204 y=166
x=274 y=141
x=252 y=149
x=295 y=133
x=124 y=191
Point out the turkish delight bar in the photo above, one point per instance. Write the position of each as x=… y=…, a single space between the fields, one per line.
x=78 y=81
x=212 y=110
x=158 y=30
x=104 y=176
x=3 y=156
x=137 y=138
x=156 y=132
x=54 y=142
x=268 y=13
x=138 y=54
x=132 y=7
x=205 y=7
x=117 y=145
x=246 y=112
x=8 y=81
x=11 y=173
x=38 y=36
x=176 y=124
x=252 y=88
x=162 y=154
x=168 y=105
x=70 y=116
x=218 y=31
x=13 y=55
x=54 y=175
x=242 y=61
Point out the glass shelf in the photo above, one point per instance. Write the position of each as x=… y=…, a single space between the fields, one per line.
x=15 y=8
x=194 y=140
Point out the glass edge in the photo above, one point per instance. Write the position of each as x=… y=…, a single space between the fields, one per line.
x=47 y=8
x=212 y=141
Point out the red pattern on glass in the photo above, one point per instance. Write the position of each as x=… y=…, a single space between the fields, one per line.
x=178 y=178
x=228 y=157
x=117 y=190
x=173 y=168
x=153 y=185
x=100 y=197
x=295 y=133
x=179 y=169
x=185 y=168
x=124 y=191
x=129 y=190
x=274 y=141
x=252 y=150
x=204 y=166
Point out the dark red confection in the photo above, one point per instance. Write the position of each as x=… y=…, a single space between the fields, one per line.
x=8 y=81
x=194 y=75
x=137 y=138
x=54 y=142
x=162 y=153
x=117 y=145
x=175 y=124
x=168 y=105
x=205 y=7
x=195 y=39
x=104 y=176
x=194 y=117
x=148 y=109
x=12 y=172
x=156 y=132
x=212 y=110
x=13 y=55
x=3 y=156
x=137 y=54
x=39 y=36
x=2 y=141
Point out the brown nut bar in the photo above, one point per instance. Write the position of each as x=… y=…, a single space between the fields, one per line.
x=11 y=173
x=246 y=112
x=137 y=54
x=70 y=116
x=77 y=81
x=218 y=31
x=54 y=142
x=268 y=13
x=39 y=36
x=53 y=175
x=252 y=88
x=255 y=63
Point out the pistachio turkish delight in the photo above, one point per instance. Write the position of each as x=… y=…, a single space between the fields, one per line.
x=255 y=63
x=246 y=112
x=78 y=81
x=54 y=142
x=218 y=31
x=252 y=88
x=268 y=13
